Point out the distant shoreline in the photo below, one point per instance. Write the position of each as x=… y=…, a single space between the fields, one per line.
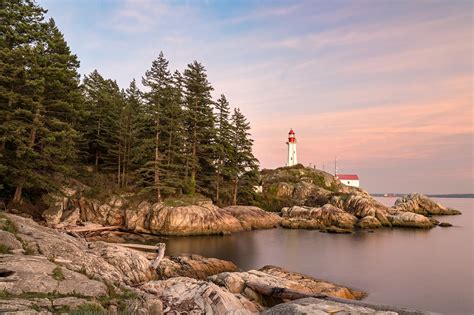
x=429 y=195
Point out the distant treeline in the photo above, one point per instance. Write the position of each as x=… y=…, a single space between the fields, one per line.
x=170 y=139
x=429 y=195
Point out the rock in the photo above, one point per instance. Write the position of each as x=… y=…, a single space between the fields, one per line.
x=109 y=212
x=132 y=264
x=253 y=217
x=192 y=266
x=317 y=218
x=445 y=224
x=368 y=222
x=315 y=285
x=276 y=277
x=24 y=306
x=421 y=204
x=409 y=219
x=10 y=241
x=182 y=220
x=361 y=206
x=186 y=295
x=53 y=215
x=34 y=274
x=71 y=217
x=319 y=306
x=101 y=261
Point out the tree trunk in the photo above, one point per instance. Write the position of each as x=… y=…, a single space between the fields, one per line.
x=217 y=190
x=194 y=162
x=31 y=144
x=234 y=197
x=17 y=196
x=97 y=154
x=157 y=161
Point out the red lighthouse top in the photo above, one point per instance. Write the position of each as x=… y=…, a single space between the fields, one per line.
x=291 y=136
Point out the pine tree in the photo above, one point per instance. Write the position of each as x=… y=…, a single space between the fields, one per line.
x=200 y=130
x=158 y=80
x=223 y=145
x=38 y=137
x=242 y=160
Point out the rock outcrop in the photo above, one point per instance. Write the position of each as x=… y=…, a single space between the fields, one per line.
x=307 y=192
x=191 y=296
x=181 y=220
x=249 y=284
x=252 y=218
x=318 y=306
x=325 y=217
x=421 y=204
x=192 y=266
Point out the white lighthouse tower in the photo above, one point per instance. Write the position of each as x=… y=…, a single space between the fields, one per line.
x=292 y=159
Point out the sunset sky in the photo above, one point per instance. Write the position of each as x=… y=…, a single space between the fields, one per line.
x=386 y=86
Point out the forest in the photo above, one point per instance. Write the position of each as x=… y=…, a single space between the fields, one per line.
x=162 y=137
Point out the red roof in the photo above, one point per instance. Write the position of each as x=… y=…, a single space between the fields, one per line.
x=291 y=132
x=348 y=176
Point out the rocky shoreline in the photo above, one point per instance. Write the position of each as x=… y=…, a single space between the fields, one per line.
x=74 y=259
x=46 y=271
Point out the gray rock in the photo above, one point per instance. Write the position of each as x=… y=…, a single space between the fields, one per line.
x=10 y=241
x=323 y=307
x=198 y=297
x=25 y=274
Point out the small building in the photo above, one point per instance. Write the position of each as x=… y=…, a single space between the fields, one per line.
x=349 y=179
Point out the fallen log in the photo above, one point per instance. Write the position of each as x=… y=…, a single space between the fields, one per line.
x=86 y=229
x=289 y=294
x=138 y=246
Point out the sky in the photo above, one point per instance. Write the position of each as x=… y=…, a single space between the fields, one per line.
x=385 y=86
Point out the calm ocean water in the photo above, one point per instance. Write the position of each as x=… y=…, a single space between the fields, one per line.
x=429 y=270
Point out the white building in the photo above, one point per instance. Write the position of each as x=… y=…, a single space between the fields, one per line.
x=292 y=159
x=349 y=179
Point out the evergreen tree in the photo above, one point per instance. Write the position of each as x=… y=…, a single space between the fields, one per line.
x=242 y=160
x=200 y=130
x=224 y=148
x=100 y=127
x=159 y=97
x=38 y=100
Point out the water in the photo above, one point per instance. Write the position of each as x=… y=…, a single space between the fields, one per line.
x=422 y=269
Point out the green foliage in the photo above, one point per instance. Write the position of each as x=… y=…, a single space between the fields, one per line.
x=88 y=309
x=7 y=225
x=58 y=274
x=170 y=140
x=4 y=249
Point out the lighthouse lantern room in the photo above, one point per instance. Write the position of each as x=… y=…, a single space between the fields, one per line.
x=292 y=159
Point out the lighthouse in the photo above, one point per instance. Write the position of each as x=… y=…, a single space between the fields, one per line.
x=292 y=160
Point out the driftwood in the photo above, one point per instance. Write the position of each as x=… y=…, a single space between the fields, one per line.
x=161 y=253
x=86 y=229
x=288 y=294
x=138 y=246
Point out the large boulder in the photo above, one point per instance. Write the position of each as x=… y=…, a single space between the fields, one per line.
x=201 y=219
x=319 y=306
x=410 y=220
x=275 y=278
x=192 y=266
x=100 y=261
x=253 y=217
x=421 y=204
x=191 y=296
x=36 y=274
x=317 y=218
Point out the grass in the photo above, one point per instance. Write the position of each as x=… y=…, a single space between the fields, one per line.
x=185 y=200
x=87 y=308
x=8 y=226
x=5 y=249
x=58 y=274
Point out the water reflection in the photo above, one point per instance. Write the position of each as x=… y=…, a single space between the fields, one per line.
x=425 y=269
